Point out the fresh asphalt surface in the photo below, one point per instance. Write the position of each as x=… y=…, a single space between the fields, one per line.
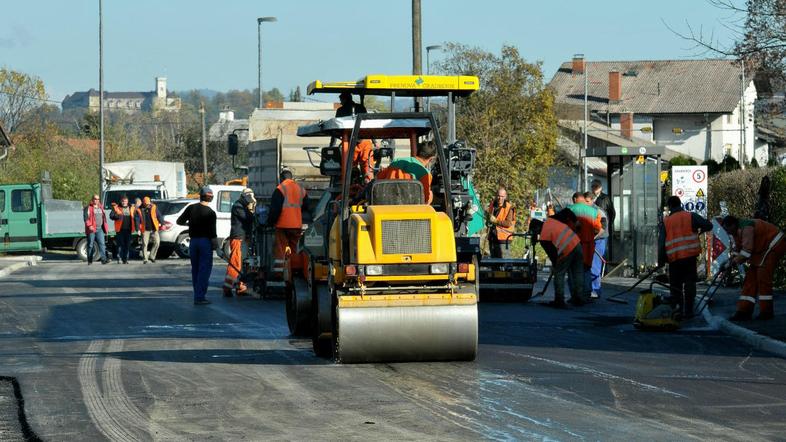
x=120 y=352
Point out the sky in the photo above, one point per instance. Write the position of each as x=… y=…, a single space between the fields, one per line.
x=200 y=44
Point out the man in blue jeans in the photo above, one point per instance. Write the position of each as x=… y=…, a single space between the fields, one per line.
x=601 y=240
x=96 y=229
x=201 y=222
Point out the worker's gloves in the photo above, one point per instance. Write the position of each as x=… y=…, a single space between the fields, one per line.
x=493 y=219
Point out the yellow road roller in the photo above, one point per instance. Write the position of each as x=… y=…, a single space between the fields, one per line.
x=382 y=279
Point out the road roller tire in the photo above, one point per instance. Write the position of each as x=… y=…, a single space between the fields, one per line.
x=322 y=329
x=299 y=301
x=406 y=334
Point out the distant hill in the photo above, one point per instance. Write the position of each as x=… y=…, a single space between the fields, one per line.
x=207 y=93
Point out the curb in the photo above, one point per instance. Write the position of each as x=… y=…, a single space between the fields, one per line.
x=755 y=340
x=28 y=262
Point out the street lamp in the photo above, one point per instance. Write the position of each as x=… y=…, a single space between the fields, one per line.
x=428 y=68
x=429 y=49
x=261 y=20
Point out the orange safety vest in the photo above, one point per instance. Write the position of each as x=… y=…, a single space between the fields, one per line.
x=681 y=241
x=559 y=234
x=153 y=216
x=119 y=222
x=503 y=233
x=291 y=216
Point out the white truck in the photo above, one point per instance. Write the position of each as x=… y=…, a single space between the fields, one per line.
x=140 y=178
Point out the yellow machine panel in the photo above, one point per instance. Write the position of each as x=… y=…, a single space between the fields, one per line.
x=402 y=235
x=401 y=85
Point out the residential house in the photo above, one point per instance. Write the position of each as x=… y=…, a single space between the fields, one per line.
x=152 y=101
x=697 y=108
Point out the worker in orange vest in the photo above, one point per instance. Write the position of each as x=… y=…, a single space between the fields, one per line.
x=416 y=168
x=501 y=220
x=563 y=247
x=762 y=244
x=286 y=215
x=151 y=221
x=679 y=246
x=126 y=219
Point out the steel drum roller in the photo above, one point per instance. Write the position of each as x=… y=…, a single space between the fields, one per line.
x=410 y=333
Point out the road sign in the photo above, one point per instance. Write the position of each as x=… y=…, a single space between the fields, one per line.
x=690 y=184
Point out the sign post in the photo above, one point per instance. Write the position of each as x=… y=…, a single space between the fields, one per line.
x=690 y=184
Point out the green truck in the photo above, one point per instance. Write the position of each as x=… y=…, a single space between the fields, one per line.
x=32 y=221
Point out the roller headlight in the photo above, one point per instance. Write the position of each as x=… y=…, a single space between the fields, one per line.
x=373 y=270
x=439 y=269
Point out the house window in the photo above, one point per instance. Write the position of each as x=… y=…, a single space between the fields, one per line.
x=727 y=149
x=728 y=118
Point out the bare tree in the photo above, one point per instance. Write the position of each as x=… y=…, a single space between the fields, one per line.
x=758 y=29
x=20 y=93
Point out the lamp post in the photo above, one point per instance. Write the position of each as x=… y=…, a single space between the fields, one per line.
x=428 y=69
x=261 y=20
x=101 y=98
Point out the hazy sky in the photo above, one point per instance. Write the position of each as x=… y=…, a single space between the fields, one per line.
x=213 y=44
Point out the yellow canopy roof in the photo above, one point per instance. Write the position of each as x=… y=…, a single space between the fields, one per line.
x=402 y=85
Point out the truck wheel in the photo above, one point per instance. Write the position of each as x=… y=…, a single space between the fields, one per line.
x=322 y=331
x=182 y=245
x=81 y=250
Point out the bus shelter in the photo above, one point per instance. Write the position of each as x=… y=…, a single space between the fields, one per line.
x=633 y=183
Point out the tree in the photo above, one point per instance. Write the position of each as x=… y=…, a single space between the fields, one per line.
x=510 y=120
x=759 y=37
x=296 y=95
x=20 y=93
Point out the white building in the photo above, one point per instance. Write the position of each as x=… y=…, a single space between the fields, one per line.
x=697 y=108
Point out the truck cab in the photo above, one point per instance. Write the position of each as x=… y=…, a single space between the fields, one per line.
x=20 y=217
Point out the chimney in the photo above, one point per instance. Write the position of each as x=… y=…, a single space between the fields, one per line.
x=626 y=124
x=615 y=87
x=578 y=64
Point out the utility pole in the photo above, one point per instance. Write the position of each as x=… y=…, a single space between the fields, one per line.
x=101 y=98
x=742 y=114
x=586 y=120
x=204 y=144
x=417 y=48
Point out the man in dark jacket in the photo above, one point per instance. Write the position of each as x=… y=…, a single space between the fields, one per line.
x=604 y=202
x=240 y=232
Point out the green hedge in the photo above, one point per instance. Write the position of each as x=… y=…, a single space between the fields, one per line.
x=739 y=188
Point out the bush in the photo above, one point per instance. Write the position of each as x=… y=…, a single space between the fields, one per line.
x=739 y=189
x=754 y=164
x=680 y=160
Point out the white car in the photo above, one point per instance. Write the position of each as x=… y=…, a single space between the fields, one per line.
x=176 y=238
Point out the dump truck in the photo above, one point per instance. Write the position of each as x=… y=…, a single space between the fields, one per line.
x=141 y=178
x=32 y=221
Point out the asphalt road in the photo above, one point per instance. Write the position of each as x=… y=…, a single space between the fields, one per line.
x=121 y=353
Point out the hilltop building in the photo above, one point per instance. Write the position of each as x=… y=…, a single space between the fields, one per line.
x=151 y=101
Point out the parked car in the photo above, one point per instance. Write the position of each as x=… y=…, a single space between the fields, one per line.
x=175 y=238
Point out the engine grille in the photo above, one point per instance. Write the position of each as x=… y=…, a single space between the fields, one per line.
x=406 y=237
